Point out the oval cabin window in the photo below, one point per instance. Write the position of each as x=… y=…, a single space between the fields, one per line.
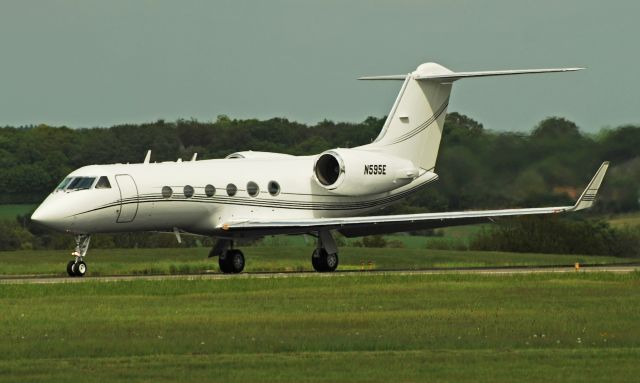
x=231 y=190
x=166 y=192
x=252 y=189
x=274 y=188
x=209 y=190
x=188 y=191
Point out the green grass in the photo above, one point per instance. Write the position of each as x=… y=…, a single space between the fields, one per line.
x=569 y=328
x=9 y=212
x=629 y=219
x=265 y=258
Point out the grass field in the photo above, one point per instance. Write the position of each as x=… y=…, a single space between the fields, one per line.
x=630 y=219
x=265 y=258
x=566 y=328
x=9 y=212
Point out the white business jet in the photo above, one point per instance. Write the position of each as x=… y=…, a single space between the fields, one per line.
x=253 y=194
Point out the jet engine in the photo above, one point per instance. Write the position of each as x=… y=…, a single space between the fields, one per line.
x=352 y=172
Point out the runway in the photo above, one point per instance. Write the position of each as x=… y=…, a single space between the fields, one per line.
x=30 y=279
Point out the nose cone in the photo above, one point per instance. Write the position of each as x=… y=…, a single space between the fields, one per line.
x=48 y=216
x=43 y=216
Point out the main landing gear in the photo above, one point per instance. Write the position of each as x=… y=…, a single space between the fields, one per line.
x=77 y=267
x=231 y=261
x=325 y=257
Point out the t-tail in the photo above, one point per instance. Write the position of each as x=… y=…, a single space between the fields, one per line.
x=414 y=126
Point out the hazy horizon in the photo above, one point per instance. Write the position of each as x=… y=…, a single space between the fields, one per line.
x=92 y=63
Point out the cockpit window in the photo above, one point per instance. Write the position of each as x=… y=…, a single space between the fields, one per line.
x=81 y=183
x=103 y=183
x=64 y=183
x=74 y=183
x=85 y=183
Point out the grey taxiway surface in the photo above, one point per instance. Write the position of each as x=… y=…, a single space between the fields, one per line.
x=626 y=268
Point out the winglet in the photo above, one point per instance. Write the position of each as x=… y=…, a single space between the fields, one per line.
x=588 y=196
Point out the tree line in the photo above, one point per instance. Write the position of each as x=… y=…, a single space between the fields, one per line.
x=478 y=168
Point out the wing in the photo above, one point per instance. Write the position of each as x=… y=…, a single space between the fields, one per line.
x=358 y=226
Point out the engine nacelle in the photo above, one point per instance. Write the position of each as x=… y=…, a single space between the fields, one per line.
x=360 y=172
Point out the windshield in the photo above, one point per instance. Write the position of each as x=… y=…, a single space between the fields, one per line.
x=64 y=183
x=81 y=183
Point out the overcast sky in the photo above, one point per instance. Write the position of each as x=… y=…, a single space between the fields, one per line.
x=97 y=63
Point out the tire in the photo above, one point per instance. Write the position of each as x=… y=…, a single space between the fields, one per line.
x=231 y=262
x=316 y=259
x=331 y=262
x=80 y=269
x=223 y=262
x=236 y=261
x=70 y=270
x=323 y=262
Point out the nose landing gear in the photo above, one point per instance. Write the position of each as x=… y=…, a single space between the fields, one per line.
x=77 y=267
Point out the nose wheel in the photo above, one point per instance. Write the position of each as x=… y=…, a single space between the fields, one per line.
x=77 y=267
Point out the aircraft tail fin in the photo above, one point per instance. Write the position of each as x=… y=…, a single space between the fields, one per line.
x=413 y=128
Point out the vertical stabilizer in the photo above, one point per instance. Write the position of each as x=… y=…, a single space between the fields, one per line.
x=413 y=128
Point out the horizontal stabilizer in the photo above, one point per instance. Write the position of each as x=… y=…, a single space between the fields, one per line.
x=442 y=74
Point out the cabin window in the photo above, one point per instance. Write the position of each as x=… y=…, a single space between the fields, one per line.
x=103 y=183
x=231 y=190
x=274 y=188
x=188 y=191
x=167 y=192
x=209 y=190
x=252 y=189
x=64 y=183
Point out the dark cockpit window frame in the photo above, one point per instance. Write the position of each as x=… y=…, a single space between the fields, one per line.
x=103 y=183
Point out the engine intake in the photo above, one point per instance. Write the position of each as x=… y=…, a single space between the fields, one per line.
x=328 y=169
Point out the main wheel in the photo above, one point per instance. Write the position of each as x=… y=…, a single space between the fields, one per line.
x=70 y=268
x=316 y=260
x=232 y=261
x=80 y=269
x=331 y=262
x=237 y=261
x=323 y=261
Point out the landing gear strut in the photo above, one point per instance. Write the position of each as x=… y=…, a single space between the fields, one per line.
x=230 y=260
x=77 y=267
x=325 y=256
